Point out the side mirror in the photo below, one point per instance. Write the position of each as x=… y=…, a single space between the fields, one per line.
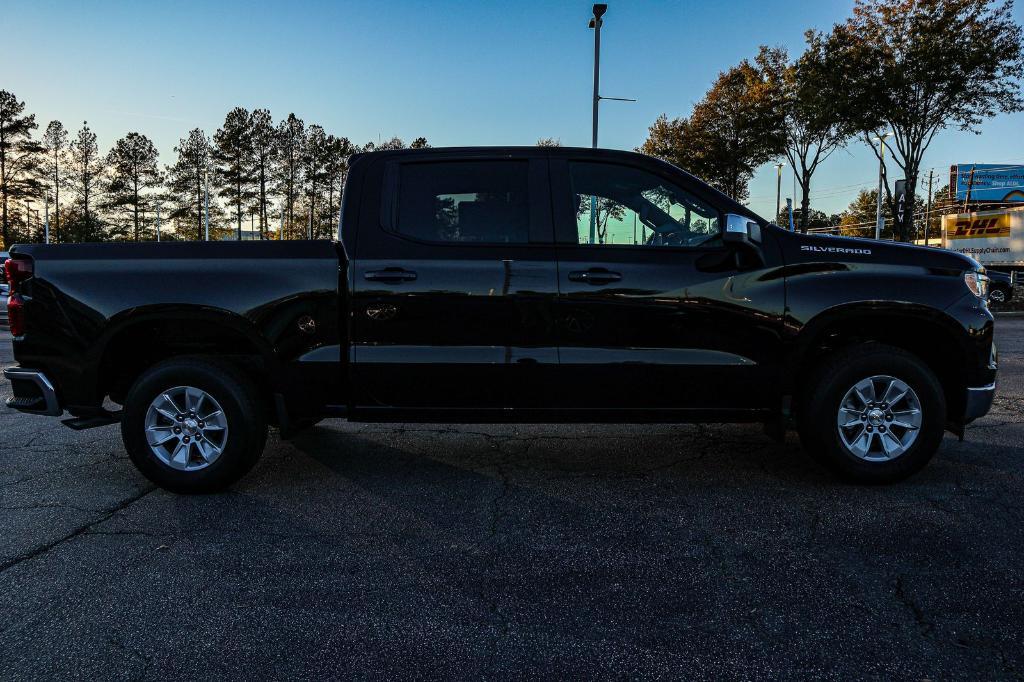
x=741 y=229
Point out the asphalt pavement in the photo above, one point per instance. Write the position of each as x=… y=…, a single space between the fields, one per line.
x=495 y=551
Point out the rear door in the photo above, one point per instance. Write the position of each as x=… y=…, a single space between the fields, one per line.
x=656 y=310
x=454 y=283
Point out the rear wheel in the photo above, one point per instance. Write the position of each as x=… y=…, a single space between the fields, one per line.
x=193 y=425
x=873 y=414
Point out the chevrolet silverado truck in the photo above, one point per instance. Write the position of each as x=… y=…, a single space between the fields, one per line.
x=506 y=284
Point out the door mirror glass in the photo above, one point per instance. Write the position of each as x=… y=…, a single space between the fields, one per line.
x=739 y=228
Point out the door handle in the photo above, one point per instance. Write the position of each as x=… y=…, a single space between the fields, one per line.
x=595 y=276
x=390 y=275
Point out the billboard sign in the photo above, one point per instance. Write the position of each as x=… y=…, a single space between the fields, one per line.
x=990 y=237
x=991 y=182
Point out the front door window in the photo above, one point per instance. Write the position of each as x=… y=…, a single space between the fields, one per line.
x=623 y=206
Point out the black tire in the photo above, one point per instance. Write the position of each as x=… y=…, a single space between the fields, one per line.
x=237 y=396
x=825 y=390
x=1000 y=294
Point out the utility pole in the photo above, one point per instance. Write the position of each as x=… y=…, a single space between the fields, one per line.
x=879 y=220
x=970 y=186
x=158 y=222
x=928 y=209
x=46 y=225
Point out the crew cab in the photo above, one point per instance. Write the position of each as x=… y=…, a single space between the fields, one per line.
x=506 y=284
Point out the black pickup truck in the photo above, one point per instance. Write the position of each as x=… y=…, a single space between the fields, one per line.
x=507 y=284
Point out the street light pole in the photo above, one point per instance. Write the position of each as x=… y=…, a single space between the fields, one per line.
x=596 y=23
x=879 y=221
x=778 y=190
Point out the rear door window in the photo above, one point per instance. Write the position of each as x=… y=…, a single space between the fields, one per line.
x=469 y=202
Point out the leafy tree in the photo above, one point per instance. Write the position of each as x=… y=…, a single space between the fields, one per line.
x=186 y=184
x=419 y=143
x=915 y=67
x=232 y=156
x=737 y=126
x=55 y=144
x=815 y=218
x=813 y=127
x=549 y=142
x=18 y=157
x=86 y=168
x=291 y=136
x=387 y=145
x=134 y=173
x=264 y=149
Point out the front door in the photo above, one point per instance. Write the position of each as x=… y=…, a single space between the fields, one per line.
x=656 y=311
x=454 y=291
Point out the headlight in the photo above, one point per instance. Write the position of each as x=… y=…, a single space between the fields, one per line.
x=977 y=282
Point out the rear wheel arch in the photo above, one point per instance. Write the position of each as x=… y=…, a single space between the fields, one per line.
x=137 y=343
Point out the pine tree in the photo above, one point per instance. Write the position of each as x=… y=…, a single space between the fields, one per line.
x=18 y=156
x=291 y=136
x=264 y=149
x=186 y=184
x=55 y=144
x=85 y=177
x=133 y=173
x=233 y=159
x=314 y=161
x=335 y=169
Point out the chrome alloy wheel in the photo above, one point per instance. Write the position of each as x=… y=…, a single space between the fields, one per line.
x=186 y=428
x=879 y=418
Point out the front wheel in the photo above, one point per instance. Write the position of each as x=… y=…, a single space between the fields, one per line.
x=1000 y=294
x=193 y=426
x=873 y=414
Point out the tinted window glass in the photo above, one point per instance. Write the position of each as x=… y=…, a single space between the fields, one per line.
x=617 y=205
x=465 y=201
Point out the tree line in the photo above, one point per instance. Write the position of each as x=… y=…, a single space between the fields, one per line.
x=895 y=73
x=280 y=179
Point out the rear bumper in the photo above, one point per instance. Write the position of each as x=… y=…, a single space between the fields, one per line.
x=979 y=401
x=33 y=392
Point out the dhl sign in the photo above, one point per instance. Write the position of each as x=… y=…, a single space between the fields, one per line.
x=979 y=227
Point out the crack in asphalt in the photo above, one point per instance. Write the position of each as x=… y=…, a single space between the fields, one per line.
x=925 y=626
x=81 y=530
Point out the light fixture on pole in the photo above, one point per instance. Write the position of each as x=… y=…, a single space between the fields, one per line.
x=879 y=220
x=778 y=189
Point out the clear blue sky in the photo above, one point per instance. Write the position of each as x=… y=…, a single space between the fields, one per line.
x=459 y=73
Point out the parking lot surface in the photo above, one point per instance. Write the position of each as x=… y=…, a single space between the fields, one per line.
x=466 y=551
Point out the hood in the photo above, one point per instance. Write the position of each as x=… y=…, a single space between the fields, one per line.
x=804 y=248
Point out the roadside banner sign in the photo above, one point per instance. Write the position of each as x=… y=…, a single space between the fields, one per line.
x=988 y=182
